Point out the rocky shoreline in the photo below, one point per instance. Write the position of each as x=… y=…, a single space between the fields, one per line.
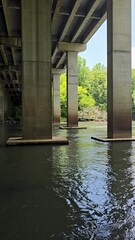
x=92 y=114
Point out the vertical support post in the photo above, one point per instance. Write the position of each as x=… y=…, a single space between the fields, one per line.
x=1 y=102
x=36 y=61
x=7 y=104
x=119 y=68
x=72 y=89
x=56 y=99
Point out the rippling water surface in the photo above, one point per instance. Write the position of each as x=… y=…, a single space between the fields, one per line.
x=85 y=190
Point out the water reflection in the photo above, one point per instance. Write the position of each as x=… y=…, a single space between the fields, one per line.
x=78 y=182
x=97 y=185
x=119 y=212
x=30 y=207
x=83 y=191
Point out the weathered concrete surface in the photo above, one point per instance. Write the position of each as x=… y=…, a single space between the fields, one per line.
x=71 y=47
x=119 y=68
x=56 y=140
x=8 y=105
x=1 y=101
x=56 y=72
x=104 y=139
x=68 y=128
x=10 y=41
x=56 y=99
x=36 y=61
x=72 y=89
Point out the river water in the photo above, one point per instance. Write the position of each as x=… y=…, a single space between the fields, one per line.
x=85 y=190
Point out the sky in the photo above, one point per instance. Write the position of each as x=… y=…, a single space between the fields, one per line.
x=96 y=51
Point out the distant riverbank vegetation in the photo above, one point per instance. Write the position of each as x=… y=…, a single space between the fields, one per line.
x=92 y=92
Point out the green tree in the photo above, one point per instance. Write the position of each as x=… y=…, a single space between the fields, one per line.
x=133 y=91
x=98 y=85
x=92 y=87
x=133 y=79
x=63 y=99
x=83 y=72
x=84 y=99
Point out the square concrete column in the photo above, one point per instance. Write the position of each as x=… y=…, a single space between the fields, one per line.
x=72 y=89
x=36 y=62
x=1 y=101
x=7 y=104
x=72 y=50
x=56 y=98
x=56 y=72
x=119 y=68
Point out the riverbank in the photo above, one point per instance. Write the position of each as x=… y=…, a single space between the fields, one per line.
x=92 y=114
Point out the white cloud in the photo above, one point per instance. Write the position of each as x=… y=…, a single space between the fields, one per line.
x=133 y=57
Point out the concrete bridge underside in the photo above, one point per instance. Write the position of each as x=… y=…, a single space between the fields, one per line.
x=41 y=38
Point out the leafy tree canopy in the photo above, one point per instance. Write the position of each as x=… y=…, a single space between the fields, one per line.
x=92 y=87
x=98 y=85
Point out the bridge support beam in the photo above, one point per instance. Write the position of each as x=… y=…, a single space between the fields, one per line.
x=72 y=50
x=7 y=105
x=119 y=68
x=72 y=89
x=56 y=99
x=1 y=102
x=56 y=94
x=36 y=60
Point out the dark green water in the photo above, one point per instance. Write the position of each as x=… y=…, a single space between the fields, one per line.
x=85 y=190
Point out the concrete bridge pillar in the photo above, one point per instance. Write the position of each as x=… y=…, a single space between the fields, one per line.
x=72 y=50
x=56 y=99
x=56 y=94
x=36 y=62
x=119 y=68
x=7 y=104
x=72 y=89
x=1 y=101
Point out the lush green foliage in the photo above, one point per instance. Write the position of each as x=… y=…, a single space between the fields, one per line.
x=98 y=85
x=83 y=72
x=133 y=90
x=94 y=84
x=85 y=100
x=92 y=87
x=63 y=98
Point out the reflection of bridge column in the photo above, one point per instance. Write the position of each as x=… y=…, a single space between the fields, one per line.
x=56 y=94
x=1 y=101
x=72 y=80
x=120 y=191
x=36 y=60
x=119 y=68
